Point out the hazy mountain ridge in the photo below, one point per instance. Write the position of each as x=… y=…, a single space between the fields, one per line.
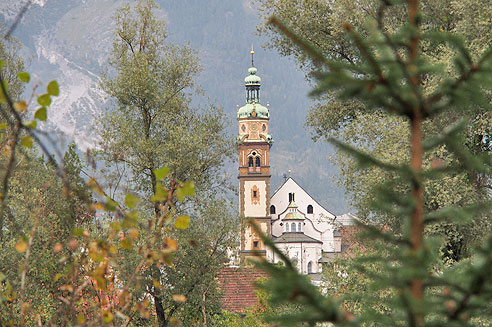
x=70 y=41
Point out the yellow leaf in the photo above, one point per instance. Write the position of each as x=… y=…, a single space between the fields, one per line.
x=98 y=206
x=81 y=319
x=116 y=226
x=126 y=243
x=94 y=186
x=161 y=173
x=107 y=316
x=187 y=189
x=170 y=244
x=53 y=88
x=142 y=308
x=160 y=194
x=182 y=222
x=179 y=298
x=133 y=233
x=27 y=141
x=113 y=250
x=20 y=106
x=157 y=284
x=31 y=124
x=41 y=114
x=21 y=246
x=23 y=76
x=131 y=201
x=57 y=247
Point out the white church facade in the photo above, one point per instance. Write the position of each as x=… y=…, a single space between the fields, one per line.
x=299 y=226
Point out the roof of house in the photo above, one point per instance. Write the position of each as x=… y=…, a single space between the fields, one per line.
x=238 y=287
x=295 y=237
x=290 y=178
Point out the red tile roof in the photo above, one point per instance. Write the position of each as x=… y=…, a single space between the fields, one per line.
x=238 y=287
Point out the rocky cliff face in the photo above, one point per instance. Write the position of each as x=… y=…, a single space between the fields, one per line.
x=69 y=40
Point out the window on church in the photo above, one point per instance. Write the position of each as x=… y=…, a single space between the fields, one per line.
x=291 y=197
x=309 y=209
x=256 y=244
x=257 y=161
x=272 y=209
x=250 y=163
x=255 y=194
x=293 y=227
x=287 y=227
x=310 y=267
x=299 y=227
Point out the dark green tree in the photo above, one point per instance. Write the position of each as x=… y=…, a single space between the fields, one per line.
x=391 y=76
x=382 y=134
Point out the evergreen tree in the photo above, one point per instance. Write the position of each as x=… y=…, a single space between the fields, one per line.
x=391 y=76
x=382 y=134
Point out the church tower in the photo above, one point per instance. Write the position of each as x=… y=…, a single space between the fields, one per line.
x=254 y=144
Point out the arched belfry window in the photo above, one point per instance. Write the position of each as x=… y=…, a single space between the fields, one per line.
x=310 y=267
x=299 y=227
x=254 y=162
x=291 y=197
x=286 y=227
x=272 y=209
x=309 y=209
x=293 y=227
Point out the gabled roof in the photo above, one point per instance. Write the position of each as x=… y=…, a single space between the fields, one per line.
x=295 y=237
x=290 y=178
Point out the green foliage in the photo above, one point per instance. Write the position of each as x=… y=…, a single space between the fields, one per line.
x=153 y=124
x=161 y=147
x=77 y=252
x=380 y=133
x=391 y=64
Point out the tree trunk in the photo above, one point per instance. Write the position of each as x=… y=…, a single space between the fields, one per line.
x=159 y=309
x=204 y=312
x=417 y=215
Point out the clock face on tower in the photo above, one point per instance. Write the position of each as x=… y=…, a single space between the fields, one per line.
x=253 y=127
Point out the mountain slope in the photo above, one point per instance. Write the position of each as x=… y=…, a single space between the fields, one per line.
x=69 y=40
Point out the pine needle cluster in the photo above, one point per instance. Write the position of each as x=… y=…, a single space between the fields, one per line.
x=391 y=77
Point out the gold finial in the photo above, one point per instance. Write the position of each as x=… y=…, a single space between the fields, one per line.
x=252 y=56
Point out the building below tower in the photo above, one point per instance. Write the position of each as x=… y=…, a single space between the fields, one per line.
x=303 y=229
x=299 y=226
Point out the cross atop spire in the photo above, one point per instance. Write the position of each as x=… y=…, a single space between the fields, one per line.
x=252 y=56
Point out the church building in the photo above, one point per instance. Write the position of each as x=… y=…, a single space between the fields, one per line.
x=302 y=228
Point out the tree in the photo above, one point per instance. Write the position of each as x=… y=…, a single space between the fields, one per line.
x=153 y=115
x=391 y=77
x=154 y=125
x=384 y=135
x=38 y=213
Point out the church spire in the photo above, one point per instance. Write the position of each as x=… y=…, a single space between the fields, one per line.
x=252 y=82
x=254 y=144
